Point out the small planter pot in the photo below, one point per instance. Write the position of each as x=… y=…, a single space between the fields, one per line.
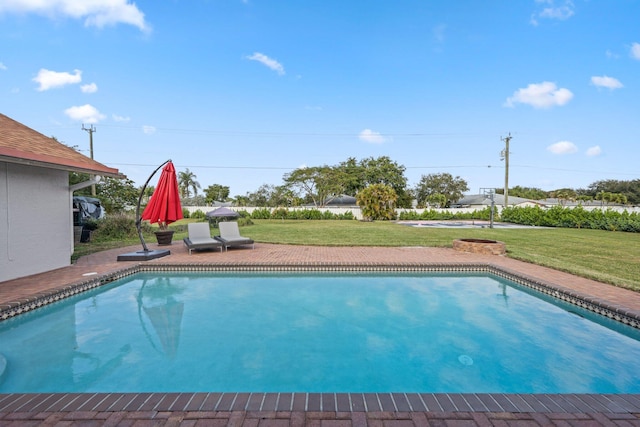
x=164 y=237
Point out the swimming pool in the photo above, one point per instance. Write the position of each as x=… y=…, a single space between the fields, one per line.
x=350 y=332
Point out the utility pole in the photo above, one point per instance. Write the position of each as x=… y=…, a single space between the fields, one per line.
x=91 y=129
x=505 y=157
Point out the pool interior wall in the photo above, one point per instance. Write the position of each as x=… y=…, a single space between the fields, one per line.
x=402 y=407
x=599 y=307
x=316 y=332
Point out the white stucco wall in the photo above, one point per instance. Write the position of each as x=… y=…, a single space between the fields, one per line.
x=357 y=213
x=36 y=224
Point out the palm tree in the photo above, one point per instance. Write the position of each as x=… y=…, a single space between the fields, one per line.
x=187 y=181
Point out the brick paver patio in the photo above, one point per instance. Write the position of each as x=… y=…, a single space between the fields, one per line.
x=321 y=410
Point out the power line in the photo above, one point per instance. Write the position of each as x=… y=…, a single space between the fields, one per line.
x=575 y=170
x=286 y=168
x=310 y=134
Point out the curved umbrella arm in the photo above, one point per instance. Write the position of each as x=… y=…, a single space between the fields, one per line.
x=138 y=218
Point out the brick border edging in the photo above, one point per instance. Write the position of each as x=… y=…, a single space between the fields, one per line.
x=480 y=246
x=391 y=404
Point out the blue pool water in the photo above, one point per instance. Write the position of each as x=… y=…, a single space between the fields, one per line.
x=316 y=332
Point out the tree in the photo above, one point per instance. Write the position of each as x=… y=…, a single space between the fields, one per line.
x=584 y=198
x=148 y=192
x=117 y=195
x=241 y=200
x=381 y=170
x=320 y=184
x=261 y=196
x=437 y=200
x=216 y=192
x=186 y=182
x=603 y=196
x=377 y=202
x=440 y=183
x=630 y=189
x=525 y=192
x=564 y=195
x=606 y=198
x=353 y=176
x=284 y=196
x=76 y=178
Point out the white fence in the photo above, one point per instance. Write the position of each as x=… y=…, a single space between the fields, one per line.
x=357 y=213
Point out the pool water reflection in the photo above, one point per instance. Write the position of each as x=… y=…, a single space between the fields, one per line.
x=316 y=332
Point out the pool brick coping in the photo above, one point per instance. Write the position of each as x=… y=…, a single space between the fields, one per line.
x=391 y=403
x=385 y=406
x=618 y=313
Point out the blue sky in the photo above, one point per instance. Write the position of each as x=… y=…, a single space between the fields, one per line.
x=242 y=92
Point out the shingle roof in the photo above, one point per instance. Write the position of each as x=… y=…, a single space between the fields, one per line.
x=23 y=145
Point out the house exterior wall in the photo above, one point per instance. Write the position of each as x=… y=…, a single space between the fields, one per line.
x=36 y=224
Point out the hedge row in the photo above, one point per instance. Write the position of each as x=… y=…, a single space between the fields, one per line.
x=431 y=214
x=284 y=213
x=577 y=217
x=556 y=216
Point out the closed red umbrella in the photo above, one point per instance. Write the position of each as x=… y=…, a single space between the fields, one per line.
x=164 y=206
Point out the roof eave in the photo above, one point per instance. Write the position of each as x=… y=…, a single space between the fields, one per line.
x=97 y=169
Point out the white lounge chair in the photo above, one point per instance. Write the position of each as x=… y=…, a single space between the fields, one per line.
x=200 y=237
x=230 y=235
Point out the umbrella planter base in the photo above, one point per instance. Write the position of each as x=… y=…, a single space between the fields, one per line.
x=144 y=255
x=164 y=237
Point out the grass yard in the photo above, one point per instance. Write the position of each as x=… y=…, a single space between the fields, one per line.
x=610 y=257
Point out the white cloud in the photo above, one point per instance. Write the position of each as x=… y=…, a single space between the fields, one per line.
x=635 y=51
x=540 y=95
x=2 y=66
x=594 y=151
x=439 y=33
x=89 y=88
x=49 y=79
x=269 y=62
x=85 y=113
x=97 y=13
x=563 y=147
x=605 y=81
x=612 y=55
x=552 y=9
x=149 y=130
x=371 y=137
x=117 y=118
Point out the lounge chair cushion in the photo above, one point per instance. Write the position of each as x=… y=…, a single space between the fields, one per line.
x=230 y=235
x=200 y=237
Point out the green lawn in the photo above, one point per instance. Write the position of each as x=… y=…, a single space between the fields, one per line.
x=610 y=257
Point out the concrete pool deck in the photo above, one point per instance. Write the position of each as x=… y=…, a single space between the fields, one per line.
x=326 y=410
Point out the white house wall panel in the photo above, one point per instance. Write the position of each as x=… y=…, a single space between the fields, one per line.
x=36 y=224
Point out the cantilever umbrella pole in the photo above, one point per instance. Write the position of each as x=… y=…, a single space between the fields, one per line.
x=138 y=217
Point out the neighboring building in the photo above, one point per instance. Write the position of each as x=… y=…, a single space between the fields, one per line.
x=36 y=209
x=481 y=201
x=343 y=201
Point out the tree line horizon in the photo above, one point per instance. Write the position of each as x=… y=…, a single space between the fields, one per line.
x=319 y=185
